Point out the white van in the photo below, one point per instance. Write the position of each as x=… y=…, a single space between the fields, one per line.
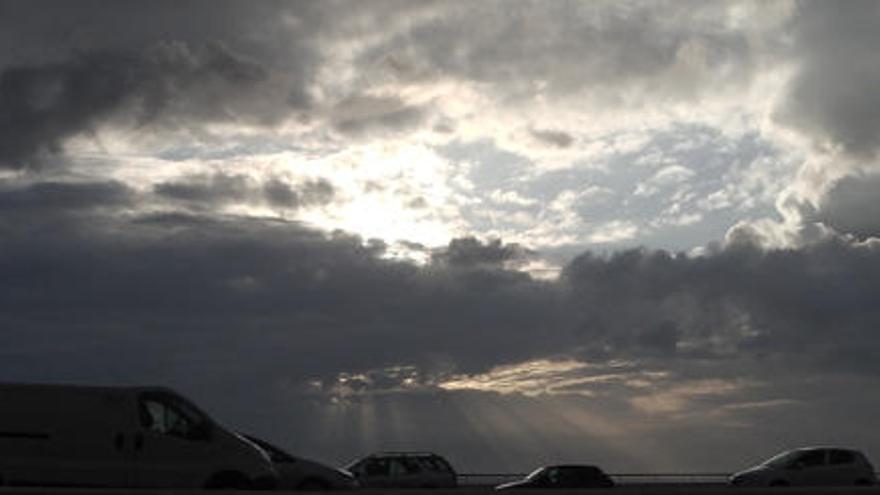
x=65 y=435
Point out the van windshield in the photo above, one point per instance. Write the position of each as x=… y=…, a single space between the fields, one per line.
x=169 y=415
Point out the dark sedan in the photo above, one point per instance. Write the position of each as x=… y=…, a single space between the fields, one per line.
x=563 y=476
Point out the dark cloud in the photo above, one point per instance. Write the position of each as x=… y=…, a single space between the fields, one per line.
x=171 y=278
x=69 y=69
x=64 y=197
x=279 y=194
x=208 y=191
x=559 y=139
x=832 y=96
x=849 y=204
x=470 y=252
x=244 y=311
x=799 y=303
x=568 y=47
x=41 y=106
x=316 y=192
x=365 y=115
x=213 y=189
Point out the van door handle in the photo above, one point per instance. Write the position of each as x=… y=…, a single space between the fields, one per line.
x=119 y=441
x=138 y=441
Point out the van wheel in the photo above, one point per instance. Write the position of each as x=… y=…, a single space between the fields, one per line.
x=228 y=480
x=859 y=482
x=779 y=483
x=313 y=485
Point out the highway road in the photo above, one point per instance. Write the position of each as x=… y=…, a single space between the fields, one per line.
x=643 y=489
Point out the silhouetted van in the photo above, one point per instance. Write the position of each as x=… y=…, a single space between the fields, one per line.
x=569 y=476
x=811 y=466
x=64 y=435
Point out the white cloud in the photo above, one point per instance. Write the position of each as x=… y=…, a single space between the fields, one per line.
x=614 y=231
x=663 y=178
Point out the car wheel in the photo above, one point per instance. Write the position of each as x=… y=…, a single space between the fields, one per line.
x=779 y=483
x=863 y=482
x=228 y=480
x=313 y=485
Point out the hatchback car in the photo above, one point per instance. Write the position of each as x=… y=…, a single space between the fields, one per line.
x=812 y=466
x=562 y=476
x=296 y=473
x=404 y=470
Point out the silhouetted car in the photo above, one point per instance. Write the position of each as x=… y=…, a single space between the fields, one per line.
x=564 y=476
x=404 y=470
x=296 y=473
x=811 y=466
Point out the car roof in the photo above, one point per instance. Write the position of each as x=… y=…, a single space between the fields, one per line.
x=824 y=447
x=403 y=454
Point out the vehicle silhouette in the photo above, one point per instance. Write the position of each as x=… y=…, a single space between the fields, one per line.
x=562 y=476
x=809 y=466
x=404 y=470
x=296 y=473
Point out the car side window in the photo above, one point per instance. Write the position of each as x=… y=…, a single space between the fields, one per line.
x=431 y=464
x=377 y=467
x=397 y=467
x=813 y=458
x=568 y=477
x=410 y=465
x=440 y=464
x=588 y=474
x=838 y=457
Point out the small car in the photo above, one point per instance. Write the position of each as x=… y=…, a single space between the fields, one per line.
x=562 y=476
x=809 y=466
x=403 y=470
x=296 y=473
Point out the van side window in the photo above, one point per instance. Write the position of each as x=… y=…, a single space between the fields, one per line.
x=167 y=416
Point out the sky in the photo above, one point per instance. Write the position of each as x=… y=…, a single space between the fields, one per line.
x=643 y=235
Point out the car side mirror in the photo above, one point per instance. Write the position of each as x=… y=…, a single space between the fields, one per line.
x=796 y=466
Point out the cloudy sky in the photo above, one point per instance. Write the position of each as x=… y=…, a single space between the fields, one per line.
x=643 y=235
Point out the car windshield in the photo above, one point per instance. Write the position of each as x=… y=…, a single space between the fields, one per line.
x=536 y=473
x=275 y=453
x=782 y=460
